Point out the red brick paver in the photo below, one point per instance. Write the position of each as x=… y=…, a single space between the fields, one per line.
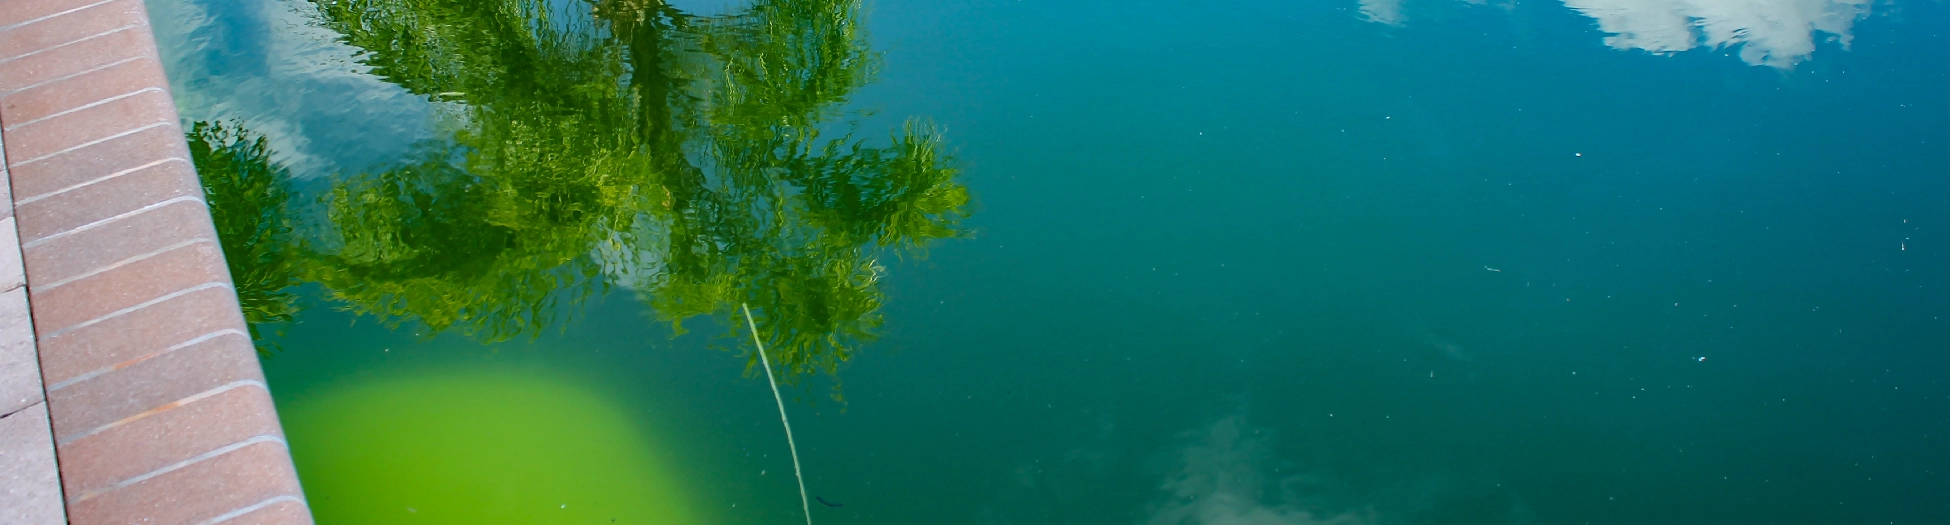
x=144 y=383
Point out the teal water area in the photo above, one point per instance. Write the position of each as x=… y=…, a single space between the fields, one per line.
x=1150 y=262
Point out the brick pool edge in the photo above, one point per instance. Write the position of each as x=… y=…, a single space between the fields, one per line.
x=155 y=404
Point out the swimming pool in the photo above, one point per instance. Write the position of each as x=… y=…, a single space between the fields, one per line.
x=1153 y=262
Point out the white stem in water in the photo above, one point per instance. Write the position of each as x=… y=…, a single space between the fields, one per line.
x=804 y=504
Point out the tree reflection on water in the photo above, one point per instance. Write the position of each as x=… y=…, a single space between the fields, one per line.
x=619 y=143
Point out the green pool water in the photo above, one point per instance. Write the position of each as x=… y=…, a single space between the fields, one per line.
x=1148 y=262
x=471 y=447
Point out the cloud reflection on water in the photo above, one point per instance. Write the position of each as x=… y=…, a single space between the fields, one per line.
x=1383 y=11
x=1222 y=481
x=1775 y=33
x=269 y=66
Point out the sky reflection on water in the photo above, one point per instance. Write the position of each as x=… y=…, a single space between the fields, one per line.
x=1776 y=33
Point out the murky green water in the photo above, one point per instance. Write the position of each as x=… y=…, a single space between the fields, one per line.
x=480 y=447
x=1155 y=262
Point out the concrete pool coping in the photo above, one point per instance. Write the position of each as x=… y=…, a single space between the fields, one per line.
x=124 y=358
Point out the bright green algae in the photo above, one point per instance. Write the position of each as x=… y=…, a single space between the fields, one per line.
x=479 y=448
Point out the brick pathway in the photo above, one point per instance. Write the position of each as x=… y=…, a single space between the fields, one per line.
x=155 y=406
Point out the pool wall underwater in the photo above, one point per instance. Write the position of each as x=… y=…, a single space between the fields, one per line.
x=136 y=372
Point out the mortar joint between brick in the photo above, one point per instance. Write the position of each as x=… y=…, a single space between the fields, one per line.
x=199 y=458
x=91 y=374
x=3 y=61
x=145 y=304
x=227 y=516
x=165 y=407
x=125 y=262
x=111 y=220
x=24 y=23
x=19 y=201
x=151 y=89
x=92 y=142
x=70 y=75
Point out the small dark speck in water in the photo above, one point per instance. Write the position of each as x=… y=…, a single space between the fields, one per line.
x=823 y=501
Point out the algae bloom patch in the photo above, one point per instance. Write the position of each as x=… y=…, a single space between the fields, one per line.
x=477 y=448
